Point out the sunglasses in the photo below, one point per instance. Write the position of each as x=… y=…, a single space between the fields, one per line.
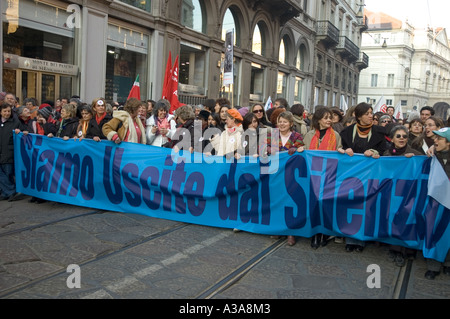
x=401 y=136
x=386 y=121
x=258 y=111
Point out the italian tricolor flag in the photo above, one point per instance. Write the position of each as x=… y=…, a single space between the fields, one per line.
x=135 y=90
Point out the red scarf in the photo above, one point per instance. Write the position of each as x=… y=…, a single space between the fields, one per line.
x=328 y=142
x=100 y=118
x=40 y=129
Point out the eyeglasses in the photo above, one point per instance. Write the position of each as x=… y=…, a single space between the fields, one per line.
x=401 y=136
x=258 y=111
x=386 y=121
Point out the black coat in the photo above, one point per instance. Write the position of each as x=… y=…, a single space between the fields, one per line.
x=377 y=141
x=7 y=141
x=440 y=156
x=48 y=127
x=69 y=128
x=95 y=129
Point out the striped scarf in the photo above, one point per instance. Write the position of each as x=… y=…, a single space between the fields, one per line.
x=327 y=143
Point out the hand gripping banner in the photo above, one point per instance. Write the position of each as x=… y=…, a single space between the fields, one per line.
x=383 y=200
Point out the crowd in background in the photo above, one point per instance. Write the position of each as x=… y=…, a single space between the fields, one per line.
x=233 y=131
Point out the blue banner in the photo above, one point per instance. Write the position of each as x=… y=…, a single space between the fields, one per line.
x=312 y=192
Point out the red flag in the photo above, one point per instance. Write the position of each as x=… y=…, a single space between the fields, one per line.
x=135 y=90
x=173 y=93
x=167 y=76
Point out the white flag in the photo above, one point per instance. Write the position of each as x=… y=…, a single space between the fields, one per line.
x=380 y=106
x=344 y=105
x=268 y=104
x=398 y=112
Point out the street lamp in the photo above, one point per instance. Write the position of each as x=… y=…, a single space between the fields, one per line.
x=360 y=13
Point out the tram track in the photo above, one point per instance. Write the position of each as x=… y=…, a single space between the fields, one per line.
x=15 y=290
x=214 y=290
x=240 y=272
x=53 y=222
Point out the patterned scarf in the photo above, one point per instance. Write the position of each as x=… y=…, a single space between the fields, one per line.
x=364 y=130
x=327 y=143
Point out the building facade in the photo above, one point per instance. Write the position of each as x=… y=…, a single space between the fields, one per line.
x=338 y=58
x=55 y=48
x=408 y=65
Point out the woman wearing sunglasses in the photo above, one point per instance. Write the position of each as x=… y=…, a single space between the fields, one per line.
x=258 y=110
x=400 y=147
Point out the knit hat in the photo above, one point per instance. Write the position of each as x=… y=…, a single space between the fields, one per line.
x=44 y=105
x=235 y=114
x=444 y=132
x=45 y=112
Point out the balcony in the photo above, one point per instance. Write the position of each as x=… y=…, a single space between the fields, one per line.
x=283 y=9
x=364 y=26
x=327 y=33
x=363 y=61
x=347 y=49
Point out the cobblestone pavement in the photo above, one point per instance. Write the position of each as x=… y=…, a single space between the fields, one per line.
x=134 y=256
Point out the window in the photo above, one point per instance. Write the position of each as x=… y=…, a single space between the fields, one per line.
x=257 y=82
x=141 y=4
x=126 y=58
x=390 y=80
x=192 y=68
x=257 y=45
x=282 y=55
x=192 y=15
x=298 y=90
x=388 y=102
x=229 y=22
x=374 y=82
x=282 y=85
x=300 y=61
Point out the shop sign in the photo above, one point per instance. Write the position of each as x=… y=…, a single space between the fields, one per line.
x=47 y=66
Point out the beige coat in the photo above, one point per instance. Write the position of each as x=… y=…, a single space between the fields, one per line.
x=120 y=124
x=226 y=143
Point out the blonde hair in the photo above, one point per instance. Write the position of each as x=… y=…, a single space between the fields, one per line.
x=71 y=109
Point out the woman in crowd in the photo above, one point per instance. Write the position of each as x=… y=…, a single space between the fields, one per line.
x=100 y=117
x=227 y=143
x=125 y=125
x=322 y=137
x=185 y=117
x=376 y=118
x=364 y=138
x=250 y=139
x=84 y=123
x=385 y=120
x=415 y=129
x=399 y=147
x=337 y=125
x=41 y=125
x=8 y=125
x=300 y=126
x=260 y=113
x=69 y=122
x=288 y=140
x=24 y=116
x=213 y=120
x=223 y=115
x=442 y=153
x=161 y=126
x=426 y=139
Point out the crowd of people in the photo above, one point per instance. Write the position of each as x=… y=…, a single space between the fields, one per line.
x=236 y=131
